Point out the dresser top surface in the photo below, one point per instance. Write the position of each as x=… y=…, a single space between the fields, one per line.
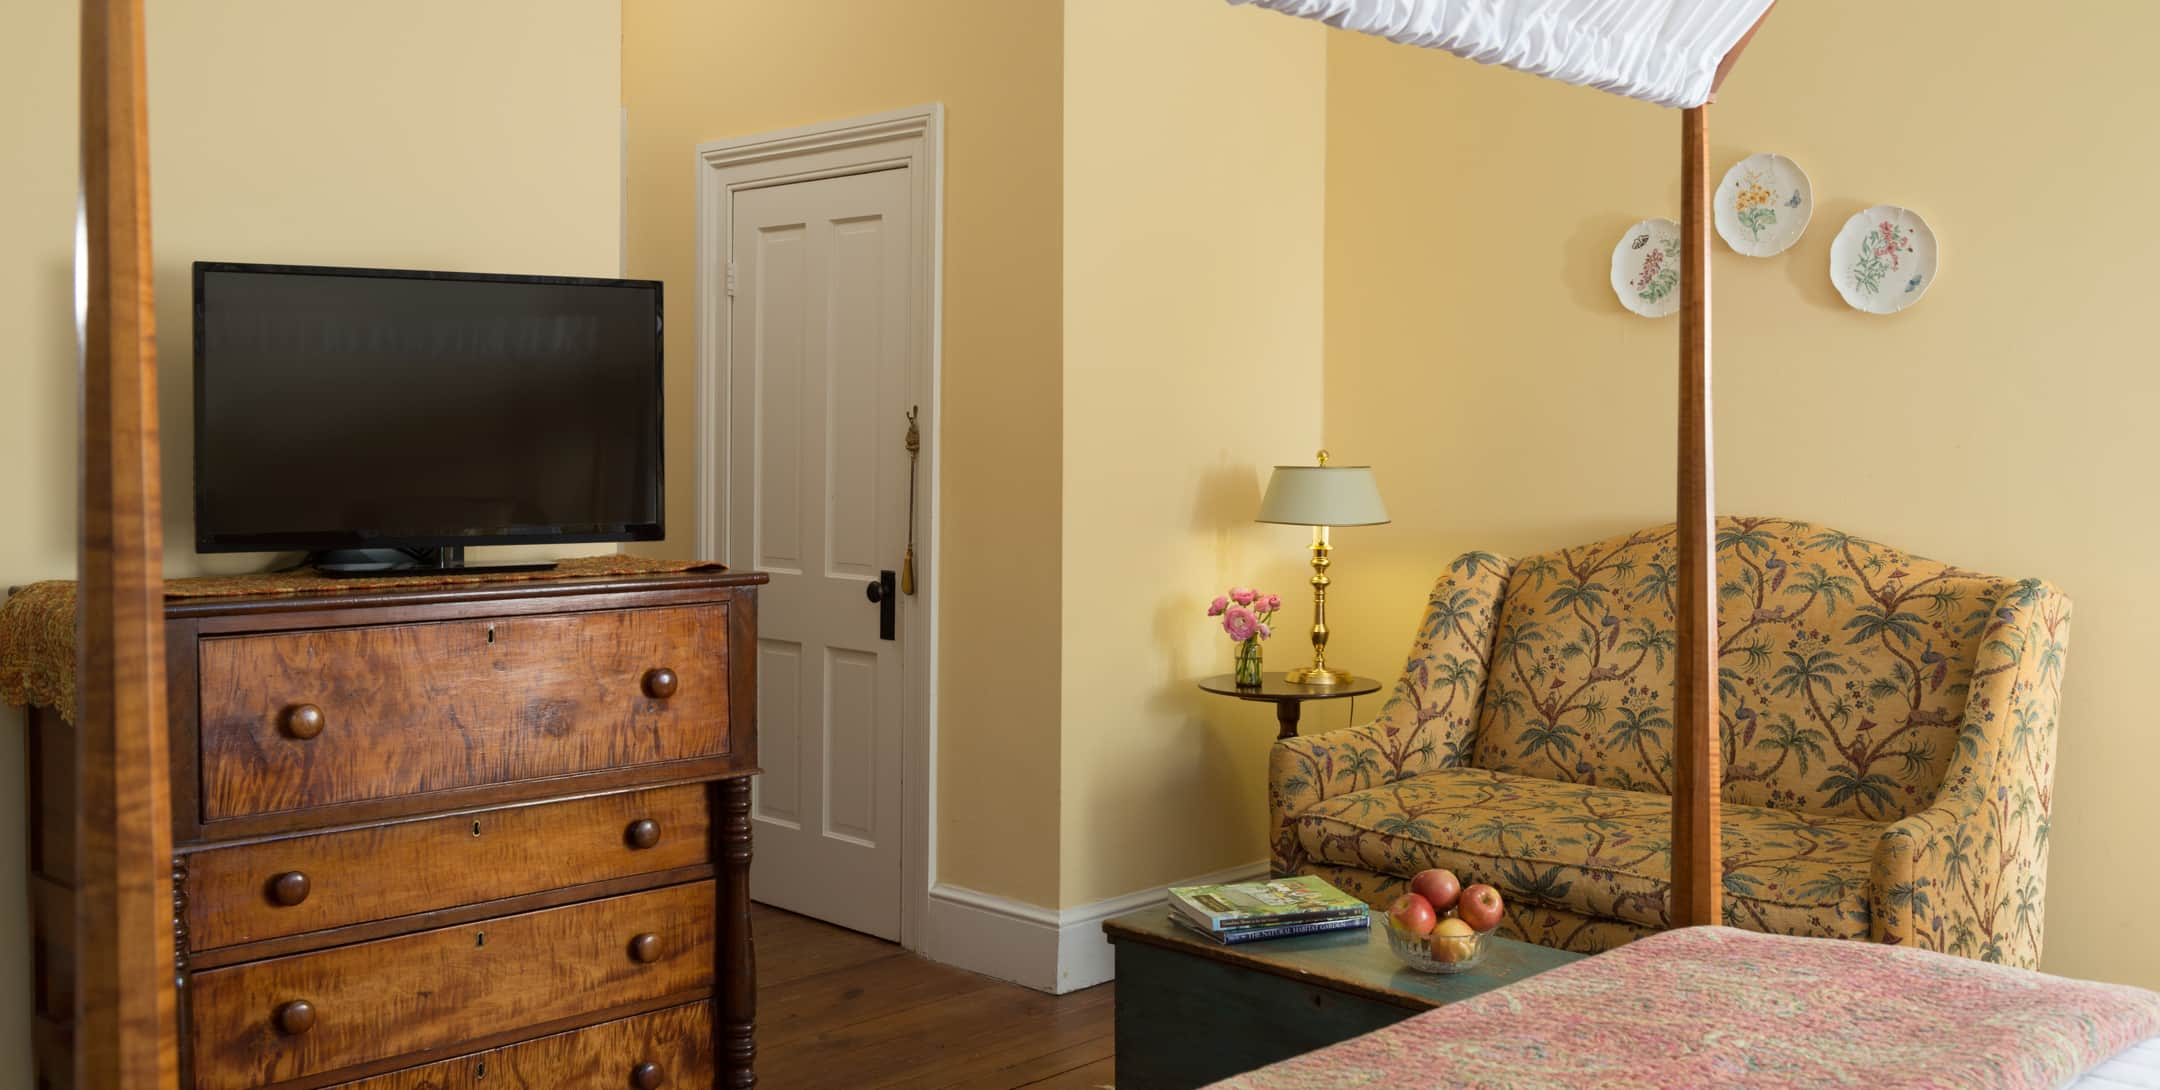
x=37 y=621
x=354 y=593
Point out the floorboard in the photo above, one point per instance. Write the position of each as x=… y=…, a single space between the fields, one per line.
x=840 y=1009
x=1095 y=1076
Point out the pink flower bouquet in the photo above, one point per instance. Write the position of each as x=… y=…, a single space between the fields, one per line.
x=1246 y=614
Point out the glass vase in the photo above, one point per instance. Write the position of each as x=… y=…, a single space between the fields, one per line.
x=1248 y=664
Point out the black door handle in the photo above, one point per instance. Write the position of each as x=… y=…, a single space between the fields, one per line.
x=885 y=595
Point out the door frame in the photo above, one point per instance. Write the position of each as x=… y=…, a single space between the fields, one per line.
x=913 y=138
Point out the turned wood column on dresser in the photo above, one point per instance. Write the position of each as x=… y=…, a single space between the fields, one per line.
x=737 y=997
x=471 y=836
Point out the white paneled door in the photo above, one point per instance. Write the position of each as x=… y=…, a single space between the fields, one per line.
x=817 y=496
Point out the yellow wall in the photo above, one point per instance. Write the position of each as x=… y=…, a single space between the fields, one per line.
x=1477 y=355
x=695 y=70
x=480 y=135
x=1194 y=155
x=37 y=383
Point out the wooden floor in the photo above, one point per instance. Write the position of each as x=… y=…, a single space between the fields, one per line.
x=841 y=1010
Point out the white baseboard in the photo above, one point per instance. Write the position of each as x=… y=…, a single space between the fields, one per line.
x=994 y=936
x=1049 y=950
x=1084 y=956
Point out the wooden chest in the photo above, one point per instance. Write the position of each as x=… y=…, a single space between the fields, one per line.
x=1191 y=1011
x=490 y=836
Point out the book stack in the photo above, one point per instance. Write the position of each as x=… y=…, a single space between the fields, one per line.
x=1274 y=909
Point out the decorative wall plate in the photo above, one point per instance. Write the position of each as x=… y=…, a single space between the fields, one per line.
x=1763 y=205
x=1646 y=268
x=1883 y=260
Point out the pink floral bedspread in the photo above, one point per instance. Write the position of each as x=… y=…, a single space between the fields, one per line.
x=1717 y=1007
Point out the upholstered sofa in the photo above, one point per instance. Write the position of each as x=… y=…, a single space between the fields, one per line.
x=1888 y=727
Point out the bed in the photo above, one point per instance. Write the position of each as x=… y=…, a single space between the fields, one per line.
x=2134 y=1068
x=1716 y=1006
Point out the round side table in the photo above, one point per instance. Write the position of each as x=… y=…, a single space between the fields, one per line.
x=1287 y=696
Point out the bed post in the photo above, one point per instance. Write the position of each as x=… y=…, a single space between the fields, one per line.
x=1698 y=779
x=123 y=1036
x=1696 y=879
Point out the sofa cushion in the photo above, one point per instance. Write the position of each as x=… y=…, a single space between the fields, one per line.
x=1598 y=851
x=1844 y=666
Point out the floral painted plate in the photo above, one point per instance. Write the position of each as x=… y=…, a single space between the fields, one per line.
x=1763 y=205
x=1646 y=268
x=1884 y=259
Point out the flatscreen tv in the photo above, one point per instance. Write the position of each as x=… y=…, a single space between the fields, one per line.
x=339 y=410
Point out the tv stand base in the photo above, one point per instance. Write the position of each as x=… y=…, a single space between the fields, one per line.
x=448 y=560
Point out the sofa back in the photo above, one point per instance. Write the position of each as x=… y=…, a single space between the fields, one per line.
x=1843 y=664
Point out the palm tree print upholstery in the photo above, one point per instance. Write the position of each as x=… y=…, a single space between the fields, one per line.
x=1888 y=728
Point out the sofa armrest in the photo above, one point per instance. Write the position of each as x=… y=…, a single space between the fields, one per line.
x=1309 y=768
x=1966 y=875
x=1910 y=873
x=1429 y=721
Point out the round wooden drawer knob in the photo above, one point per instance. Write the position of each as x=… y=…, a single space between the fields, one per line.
x=290 y=888
x=645 y=948
x=296 y=1018
x=648 y=1076
x=644 y=833
x=303 y=721
x=660 y=683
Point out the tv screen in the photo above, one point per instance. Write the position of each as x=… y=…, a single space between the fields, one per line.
x=347 y=408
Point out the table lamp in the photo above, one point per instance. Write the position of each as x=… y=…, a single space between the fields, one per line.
x=1321 y=496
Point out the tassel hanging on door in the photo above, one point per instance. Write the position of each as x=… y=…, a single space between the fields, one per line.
x=914 y=453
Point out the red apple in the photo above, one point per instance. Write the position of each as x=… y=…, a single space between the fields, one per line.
x=1412 y=915
x=1440 y=887
x=1481 y=907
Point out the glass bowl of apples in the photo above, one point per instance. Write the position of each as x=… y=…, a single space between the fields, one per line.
x=1451 y=947
x=1440 y=926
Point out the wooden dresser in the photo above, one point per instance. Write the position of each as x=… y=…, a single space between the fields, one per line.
x=487 y=836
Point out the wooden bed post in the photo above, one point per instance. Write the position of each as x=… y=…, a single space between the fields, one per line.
x=124 y=1032
x=1698 y=878
x=1696 y=874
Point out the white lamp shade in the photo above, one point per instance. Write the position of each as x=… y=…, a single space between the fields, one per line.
x=1322 y=496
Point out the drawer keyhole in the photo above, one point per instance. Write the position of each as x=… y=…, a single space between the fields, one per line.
x=476 y=827
x=480 y=1072
x=480 y=939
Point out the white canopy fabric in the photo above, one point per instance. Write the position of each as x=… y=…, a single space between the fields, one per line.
x=1662 y=51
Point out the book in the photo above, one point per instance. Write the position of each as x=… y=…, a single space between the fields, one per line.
x=1299 y=899
x=1233 y=936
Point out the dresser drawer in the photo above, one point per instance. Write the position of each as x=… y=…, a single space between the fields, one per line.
x=292 y=720
x=268 y=1021
x=274 y=888
x=674 y=1046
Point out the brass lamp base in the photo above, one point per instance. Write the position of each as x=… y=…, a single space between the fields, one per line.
x=1317 y=676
